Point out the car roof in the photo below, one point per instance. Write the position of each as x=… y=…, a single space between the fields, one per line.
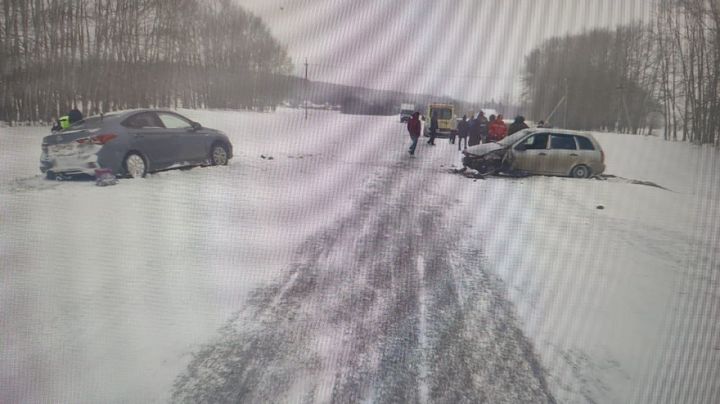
x=562 y=131
x=121 y=115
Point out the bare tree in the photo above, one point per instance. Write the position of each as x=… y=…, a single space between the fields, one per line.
x=103 y=55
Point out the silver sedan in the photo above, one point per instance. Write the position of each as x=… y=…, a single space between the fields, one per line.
x=132 y=144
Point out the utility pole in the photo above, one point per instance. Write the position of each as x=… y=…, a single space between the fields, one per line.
x=306 y=85
x=566 y=104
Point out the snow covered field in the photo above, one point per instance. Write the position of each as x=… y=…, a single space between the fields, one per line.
x=107 y=293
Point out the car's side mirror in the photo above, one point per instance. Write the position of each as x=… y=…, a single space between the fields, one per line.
x=521 y=147
x=195 y=125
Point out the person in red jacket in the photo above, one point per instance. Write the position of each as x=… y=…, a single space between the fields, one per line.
x=497 y=129
x=413 y=127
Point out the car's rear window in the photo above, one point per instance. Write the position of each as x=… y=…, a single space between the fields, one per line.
x=562 y=142
x=93 y=122
x=584 y=143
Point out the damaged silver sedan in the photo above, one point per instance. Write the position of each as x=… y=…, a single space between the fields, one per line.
x=132 y=144
x=539 y=151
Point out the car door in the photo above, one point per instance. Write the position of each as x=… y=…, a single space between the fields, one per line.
x=190 y=142
x=563 y=154
x=531 y=154
x=151 y=138
x=588 y=154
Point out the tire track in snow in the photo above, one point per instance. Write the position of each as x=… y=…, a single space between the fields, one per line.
x=376 y=309
x=423 y=389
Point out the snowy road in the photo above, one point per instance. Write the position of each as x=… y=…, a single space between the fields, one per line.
x=344 y=270
x=382 y=307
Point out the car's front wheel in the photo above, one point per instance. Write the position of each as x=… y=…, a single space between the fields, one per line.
x=580 y=171
x=135 y=165
x=219 y=154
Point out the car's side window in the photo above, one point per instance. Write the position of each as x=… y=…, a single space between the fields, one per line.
x=562 y=142
x=537 y=141
x=584 y=143
x=172 y=121
x=143 y=120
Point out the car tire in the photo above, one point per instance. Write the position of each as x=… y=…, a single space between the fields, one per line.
x=219 y=154
x=135 y=165
x=581 y=171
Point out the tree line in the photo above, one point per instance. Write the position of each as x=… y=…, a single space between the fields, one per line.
x=104 y=55
x=637 y=78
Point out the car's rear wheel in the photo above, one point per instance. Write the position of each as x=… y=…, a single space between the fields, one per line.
x=581 y=171
x=219 y=154
x=135 y=165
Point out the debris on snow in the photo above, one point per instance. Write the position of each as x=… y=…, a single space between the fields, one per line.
x=104 y=177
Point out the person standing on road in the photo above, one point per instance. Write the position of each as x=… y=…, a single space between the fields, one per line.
x=475 y=136
x=66 y=120
x=497 y=129
x=491 y=119
x=517 y=125
x=462 y=129
x=433 y=128
x=413 y=127
x=483 y=126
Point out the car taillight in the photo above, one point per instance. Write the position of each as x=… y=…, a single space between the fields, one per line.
x=45 y=148
x=602 y=156
x=102 y=139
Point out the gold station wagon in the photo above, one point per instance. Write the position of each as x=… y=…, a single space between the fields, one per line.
x=539 y=151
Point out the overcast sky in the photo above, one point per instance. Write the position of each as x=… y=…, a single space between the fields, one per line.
x=468 y=49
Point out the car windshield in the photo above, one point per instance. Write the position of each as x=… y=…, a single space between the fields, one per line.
x=510 y=140
x=442 y=113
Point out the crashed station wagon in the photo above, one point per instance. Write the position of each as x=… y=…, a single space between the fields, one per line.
x=539 y=151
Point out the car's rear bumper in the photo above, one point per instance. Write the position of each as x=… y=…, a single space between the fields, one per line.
x=71 y=160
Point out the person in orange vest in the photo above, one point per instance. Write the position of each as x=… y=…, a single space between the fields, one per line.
x=497 y=129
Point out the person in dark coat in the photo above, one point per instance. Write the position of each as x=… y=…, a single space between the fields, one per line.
x=517 y=125
x=413 y=127
x=66 y=120
x=433 y=128
x=462 y=131
x=74 y=116
x=484 y=124
x=478 y=130
x=473 y=132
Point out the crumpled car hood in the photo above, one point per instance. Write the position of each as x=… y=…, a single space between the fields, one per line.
x=483 y=149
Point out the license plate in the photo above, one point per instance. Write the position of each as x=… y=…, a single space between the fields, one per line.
x=63 y=147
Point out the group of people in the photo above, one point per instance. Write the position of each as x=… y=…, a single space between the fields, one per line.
x=478 y=129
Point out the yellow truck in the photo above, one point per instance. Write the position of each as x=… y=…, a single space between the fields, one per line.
x=447 y=124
